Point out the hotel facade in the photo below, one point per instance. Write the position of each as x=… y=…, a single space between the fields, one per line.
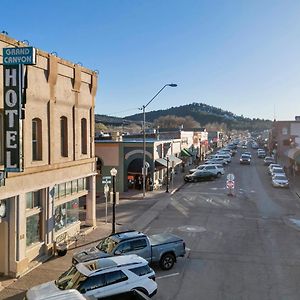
x=40 y=203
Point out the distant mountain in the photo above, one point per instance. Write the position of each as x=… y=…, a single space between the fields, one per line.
x=205 y=114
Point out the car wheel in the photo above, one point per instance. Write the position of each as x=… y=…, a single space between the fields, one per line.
x=195 y=180
x=219 y=174
x=142 y=290
x=167 y=261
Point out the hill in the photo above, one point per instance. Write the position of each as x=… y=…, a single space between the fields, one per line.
x=205 y=114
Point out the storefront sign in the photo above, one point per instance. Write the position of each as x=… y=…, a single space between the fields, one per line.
x=12 y=81
x=17 y=56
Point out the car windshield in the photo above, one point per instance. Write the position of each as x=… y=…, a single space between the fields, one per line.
x=280 y=177
x=70 y=279
x=107 y=245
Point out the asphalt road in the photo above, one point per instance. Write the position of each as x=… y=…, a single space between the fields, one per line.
x=240 y=247
x=244 y=246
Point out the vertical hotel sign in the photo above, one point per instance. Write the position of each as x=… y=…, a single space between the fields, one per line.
x=13 y=65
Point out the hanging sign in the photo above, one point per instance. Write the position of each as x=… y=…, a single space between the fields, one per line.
x=20 y=55
x=12 y=81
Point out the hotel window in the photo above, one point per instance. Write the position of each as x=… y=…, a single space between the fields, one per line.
x=1 y=138
x=33 y=217
x=64 y=136
x=33 y=199
x=36 y=139
x=83 y=136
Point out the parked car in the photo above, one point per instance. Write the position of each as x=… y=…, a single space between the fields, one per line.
x=217 y=161
x=271 y=166
x=261 y=154
x=268 y=160
x=224 y=155
x=102 y=277
x=214 y=168
x=277 y=170
x=280 y=180
x=200 y=175
x=161 y=248
x=245 y=159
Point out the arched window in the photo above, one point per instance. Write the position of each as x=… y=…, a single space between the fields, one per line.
x=37 y=139
x=64 y=136
x=83 y=136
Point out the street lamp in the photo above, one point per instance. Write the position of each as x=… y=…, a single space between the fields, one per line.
x=167 y=185
x=144 y=134
x=113 y=173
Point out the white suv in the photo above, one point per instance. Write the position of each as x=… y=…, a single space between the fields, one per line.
x=102 y=277
x=215 y=169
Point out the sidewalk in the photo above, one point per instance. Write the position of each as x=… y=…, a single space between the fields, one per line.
x=14 y=289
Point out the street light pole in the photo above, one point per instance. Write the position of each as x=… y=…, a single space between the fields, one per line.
x=167 y=185
x=113 y=173
x=144 y=134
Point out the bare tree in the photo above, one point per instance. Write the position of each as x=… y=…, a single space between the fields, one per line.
x=171 y=121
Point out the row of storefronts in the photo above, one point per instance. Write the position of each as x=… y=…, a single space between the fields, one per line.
x=173 y=150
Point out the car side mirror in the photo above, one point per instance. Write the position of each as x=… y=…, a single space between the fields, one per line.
x=118 y=252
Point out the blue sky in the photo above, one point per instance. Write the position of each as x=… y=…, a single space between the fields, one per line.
x=241 y=56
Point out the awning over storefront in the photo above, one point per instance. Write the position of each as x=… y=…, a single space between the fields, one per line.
x=161 y=161
x=185 y=152
x=294 y=154
x=173 y=161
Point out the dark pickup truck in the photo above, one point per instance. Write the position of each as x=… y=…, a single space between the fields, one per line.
x=161 y=248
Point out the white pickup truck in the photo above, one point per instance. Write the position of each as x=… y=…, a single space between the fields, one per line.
x=161 y=248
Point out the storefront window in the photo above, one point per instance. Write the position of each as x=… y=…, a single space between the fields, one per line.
x=62 y=189
x=33 y=229
x=56 y=191
x=80 y=184
x=68 y=188
x=74 y=186
x=66 y=214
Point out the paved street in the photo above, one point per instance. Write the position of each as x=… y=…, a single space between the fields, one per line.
x=244 y=246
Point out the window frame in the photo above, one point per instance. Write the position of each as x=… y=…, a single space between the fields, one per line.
x=36 y=139
x=64 y=136
x=84 y=136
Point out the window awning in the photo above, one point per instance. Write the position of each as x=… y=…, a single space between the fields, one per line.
x=161 y=161
x=185 y=152
x=173 y=161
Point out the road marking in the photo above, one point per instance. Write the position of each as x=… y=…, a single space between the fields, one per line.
x=166 y=276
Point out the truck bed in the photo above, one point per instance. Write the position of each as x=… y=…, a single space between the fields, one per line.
x=163 y=238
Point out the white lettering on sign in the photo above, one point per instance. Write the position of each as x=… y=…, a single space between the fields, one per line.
x=11 y=137
x=17 y=60
x=10 y=77
x=17 y=51
x=8 y=161
x=11 y=98
x=12 y=82
x=11 y=119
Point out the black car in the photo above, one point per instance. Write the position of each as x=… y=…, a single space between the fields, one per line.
x=200 y=175
x=245 y=159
